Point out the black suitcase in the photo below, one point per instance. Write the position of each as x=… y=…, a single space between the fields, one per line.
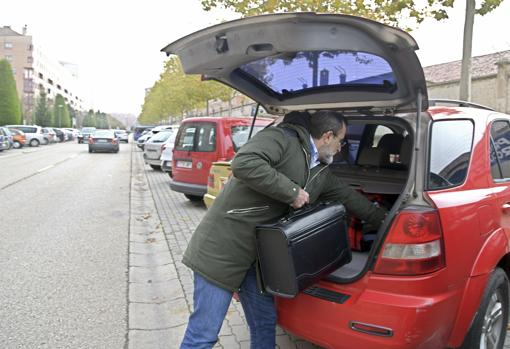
x=303 y=247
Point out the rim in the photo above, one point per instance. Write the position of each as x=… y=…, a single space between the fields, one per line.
x=492 y=322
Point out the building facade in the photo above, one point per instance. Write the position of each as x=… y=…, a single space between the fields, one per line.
x=490 y=80
x=35 y=72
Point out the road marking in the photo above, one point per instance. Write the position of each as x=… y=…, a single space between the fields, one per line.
x=45 y=168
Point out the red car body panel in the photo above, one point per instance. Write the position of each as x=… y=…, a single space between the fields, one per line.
x=431 y=311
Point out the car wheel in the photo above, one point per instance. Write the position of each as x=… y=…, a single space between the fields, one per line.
x=194 y=198
x=488 y=330
x=156 y=167
x=45 y=141
x=16 y=145
x=34 y=142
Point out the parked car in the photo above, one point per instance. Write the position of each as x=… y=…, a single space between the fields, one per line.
x=7 y=136
x=218 y=175
x=49 y=135
x=153 y=148
x=147 y=134
x=122 y=135
x=74 y=133
x=138 y=131
x=84 y=135
x=167 y=153
x=435 y=273
x=33 y=133
x=104 y=141
x=60 y=135
x=202 y=141
x=18 y=137
x=4 y=141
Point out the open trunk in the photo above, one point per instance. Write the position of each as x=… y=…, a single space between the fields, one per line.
x=377 y=163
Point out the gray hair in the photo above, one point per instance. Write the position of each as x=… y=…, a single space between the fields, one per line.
x=326 y=120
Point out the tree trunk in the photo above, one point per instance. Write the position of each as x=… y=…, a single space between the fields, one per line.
x=465 y=73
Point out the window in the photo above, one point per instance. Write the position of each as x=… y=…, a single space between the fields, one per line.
x=207 y=138
x=8 y=45
x=197 y=137
x=289 y=73
x=240 y=134
x=500 y=150
x=8 y=57
x=186 y=139
x=30 y=59
x=450 y=152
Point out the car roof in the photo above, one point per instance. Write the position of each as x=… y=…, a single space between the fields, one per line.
x=250 y=54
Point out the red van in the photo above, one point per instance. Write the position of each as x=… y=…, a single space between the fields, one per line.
x=202 y=141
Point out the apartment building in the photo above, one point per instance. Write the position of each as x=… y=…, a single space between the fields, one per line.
x=35 y=71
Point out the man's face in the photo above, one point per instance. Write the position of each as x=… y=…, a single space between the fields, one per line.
x=331 y=145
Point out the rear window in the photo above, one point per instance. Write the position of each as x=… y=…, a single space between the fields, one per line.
x=240 y=134
x=28 y=129
x=160 y=137
x=197 y=137
x=450 y=152
x=500 y=150
x=292 y=73
x=103 y=134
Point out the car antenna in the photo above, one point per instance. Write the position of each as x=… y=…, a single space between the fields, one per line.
x=254 y=118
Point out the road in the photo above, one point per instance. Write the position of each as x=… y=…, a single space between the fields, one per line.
x=63 y=250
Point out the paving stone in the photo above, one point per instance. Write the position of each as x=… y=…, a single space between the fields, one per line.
x=241 y=332
x=155 y=274
x=156 y=339
x=144 y=316
x=284 y=342
x=229 y=342
x=150 y=259
x=155 y=292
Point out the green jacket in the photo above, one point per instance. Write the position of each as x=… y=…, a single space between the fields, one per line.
x=267 y=174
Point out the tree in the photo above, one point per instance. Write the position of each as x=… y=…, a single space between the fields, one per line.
x=60 y=117
x=10 y=111
x=467 y=44
x=90 y=119
x=42 y=112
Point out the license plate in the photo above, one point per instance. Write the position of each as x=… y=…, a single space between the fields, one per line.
x=102 y=141
x=184 y=164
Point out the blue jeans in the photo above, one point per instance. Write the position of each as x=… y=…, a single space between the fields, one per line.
x=210 y=307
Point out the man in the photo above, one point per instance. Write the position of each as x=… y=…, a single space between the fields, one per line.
x=280 y=166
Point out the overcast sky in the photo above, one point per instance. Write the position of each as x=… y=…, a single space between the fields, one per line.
x=116 y=43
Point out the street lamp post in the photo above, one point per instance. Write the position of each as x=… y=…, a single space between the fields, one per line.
x=60 y=106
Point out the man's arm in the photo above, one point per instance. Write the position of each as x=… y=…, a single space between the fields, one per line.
x=254 y=165
x=354 y=202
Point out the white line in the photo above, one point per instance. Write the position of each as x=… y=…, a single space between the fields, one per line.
x=45 y=168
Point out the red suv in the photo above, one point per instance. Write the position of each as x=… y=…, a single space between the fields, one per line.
x=202 y=141
x=435 y=274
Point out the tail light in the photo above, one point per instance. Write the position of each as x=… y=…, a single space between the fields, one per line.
x=210 y=180
x=114 y=141
x=414 y=245
x=91 y=140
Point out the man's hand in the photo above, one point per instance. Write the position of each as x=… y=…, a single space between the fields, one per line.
x=301 y=199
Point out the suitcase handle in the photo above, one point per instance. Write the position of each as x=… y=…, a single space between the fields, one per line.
x=295 y=213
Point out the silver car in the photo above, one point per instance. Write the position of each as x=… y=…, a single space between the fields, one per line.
x=167 y=153
x=153 y=148
x=103 y=140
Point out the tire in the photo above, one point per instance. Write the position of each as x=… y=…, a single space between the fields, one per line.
x=155 y=167
x=34 y=142
x=46 y=141
x=488 y=329
x=17 y=145
x=194 y=198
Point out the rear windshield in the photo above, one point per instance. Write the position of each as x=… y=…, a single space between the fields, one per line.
x=160 y=137
x=200 y=137
x=293 y=73
x=88 y=129
x=450 y=152
x=240 y=134
x=103 y=134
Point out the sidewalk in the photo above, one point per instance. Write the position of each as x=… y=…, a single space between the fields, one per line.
x=160 y=286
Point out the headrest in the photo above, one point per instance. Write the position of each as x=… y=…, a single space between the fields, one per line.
x=392 y=142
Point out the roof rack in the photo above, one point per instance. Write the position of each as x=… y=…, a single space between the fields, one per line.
x=457 y=103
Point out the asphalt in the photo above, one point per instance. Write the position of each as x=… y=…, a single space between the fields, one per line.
x=160 y=286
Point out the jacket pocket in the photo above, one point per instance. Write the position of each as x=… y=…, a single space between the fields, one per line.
x=248 y=210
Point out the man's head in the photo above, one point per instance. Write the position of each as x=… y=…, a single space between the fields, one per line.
x=327 y=129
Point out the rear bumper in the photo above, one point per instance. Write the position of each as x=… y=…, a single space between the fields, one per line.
x=104 y=147
x=148 y=161
x=415 y=322
x=188 y=188
x=166 y=166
